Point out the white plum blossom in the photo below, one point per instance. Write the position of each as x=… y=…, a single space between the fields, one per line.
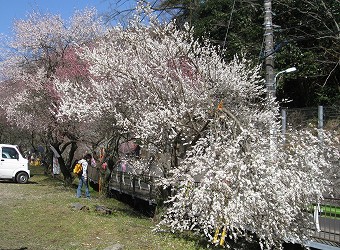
x=38 y=54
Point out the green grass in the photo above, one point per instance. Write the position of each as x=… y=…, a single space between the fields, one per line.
x=329 y=211
x=39 y=215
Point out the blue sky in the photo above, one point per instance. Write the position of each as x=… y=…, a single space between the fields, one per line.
x=11 y=10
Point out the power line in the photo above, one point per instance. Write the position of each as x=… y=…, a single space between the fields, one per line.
x=229 y=22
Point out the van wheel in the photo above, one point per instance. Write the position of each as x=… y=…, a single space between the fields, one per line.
x=22 y=178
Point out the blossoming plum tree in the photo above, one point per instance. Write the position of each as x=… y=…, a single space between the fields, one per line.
x=43 y=49
x=209 y=125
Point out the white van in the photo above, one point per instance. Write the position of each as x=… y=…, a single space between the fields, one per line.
x=12 y=164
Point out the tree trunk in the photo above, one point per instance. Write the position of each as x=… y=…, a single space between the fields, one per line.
x=63 y=168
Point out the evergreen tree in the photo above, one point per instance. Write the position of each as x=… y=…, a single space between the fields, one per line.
x=306 y=35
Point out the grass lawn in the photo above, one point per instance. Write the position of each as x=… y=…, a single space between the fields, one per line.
x=329 y=211
x=39 y=215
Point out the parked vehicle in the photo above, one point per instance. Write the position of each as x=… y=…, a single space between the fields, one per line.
x=13 y=165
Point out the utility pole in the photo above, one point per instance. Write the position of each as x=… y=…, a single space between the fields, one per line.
x=269 y=67
x=269 y=48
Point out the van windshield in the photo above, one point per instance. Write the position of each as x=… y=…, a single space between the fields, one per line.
x=20 y=151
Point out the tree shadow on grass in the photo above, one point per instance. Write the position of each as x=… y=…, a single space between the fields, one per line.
x=16 y=183
x=21 y=248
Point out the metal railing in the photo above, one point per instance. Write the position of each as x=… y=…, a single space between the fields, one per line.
x=141 y=186
x=327 y=222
